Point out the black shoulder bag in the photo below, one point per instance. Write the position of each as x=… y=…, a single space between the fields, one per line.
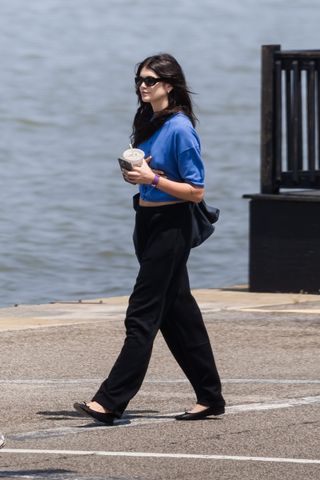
x=203 y=217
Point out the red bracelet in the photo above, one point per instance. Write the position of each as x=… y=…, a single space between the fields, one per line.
x=155 y=181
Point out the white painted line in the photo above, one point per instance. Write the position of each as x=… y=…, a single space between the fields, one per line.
x=293 y=402
x=86 y=428
x=183 y=456
x=132 y=421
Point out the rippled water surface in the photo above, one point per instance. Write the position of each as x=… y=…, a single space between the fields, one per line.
x=67 y=102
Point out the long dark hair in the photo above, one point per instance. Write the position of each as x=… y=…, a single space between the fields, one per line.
x=145 y=122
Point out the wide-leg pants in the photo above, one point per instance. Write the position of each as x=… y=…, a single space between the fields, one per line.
x=162 y=300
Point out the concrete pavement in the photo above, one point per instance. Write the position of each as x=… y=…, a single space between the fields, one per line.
x=267 y=350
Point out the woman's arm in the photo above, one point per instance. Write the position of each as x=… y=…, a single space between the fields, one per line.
x=183 y=191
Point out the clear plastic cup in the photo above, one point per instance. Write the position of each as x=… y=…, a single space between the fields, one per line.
x=134 y=156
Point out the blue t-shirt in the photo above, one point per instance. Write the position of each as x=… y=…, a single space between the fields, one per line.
x=175 y=149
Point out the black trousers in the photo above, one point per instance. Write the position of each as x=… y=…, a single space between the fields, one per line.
x=161 y=300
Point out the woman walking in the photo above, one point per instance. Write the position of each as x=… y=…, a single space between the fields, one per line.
x=163 y=128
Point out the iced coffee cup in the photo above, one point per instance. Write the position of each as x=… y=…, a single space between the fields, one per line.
x=134 y=156
x=131 y=158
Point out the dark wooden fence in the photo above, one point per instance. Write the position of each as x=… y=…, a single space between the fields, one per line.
x=290 y=119
x=285 y=216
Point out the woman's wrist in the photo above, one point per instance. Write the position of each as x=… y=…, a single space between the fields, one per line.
x=155 y=181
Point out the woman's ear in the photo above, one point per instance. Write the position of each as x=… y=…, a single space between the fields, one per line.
x=169 y=88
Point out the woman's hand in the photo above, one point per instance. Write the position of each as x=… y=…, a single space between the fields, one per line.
x=141 y=175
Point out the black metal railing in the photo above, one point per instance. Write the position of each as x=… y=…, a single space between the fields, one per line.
x=290 y=119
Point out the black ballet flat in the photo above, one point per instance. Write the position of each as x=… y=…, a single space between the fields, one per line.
x=216 y=411
x=106 y=418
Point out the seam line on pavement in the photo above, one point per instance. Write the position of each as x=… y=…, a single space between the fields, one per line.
x=75 y=381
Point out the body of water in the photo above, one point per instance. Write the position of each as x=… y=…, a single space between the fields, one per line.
x=67 y=103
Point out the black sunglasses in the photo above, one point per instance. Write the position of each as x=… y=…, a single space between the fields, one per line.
x=148 y=81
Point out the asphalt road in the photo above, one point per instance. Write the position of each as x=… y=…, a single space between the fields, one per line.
x=267 y=351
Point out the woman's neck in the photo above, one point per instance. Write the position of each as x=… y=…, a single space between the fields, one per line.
x=160 y=105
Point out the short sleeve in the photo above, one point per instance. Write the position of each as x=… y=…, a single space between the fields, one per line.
x=190 y=164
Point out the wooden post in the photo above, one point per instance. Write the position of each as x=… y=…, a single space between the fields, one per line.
x=267 y=118
x=311 y=120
